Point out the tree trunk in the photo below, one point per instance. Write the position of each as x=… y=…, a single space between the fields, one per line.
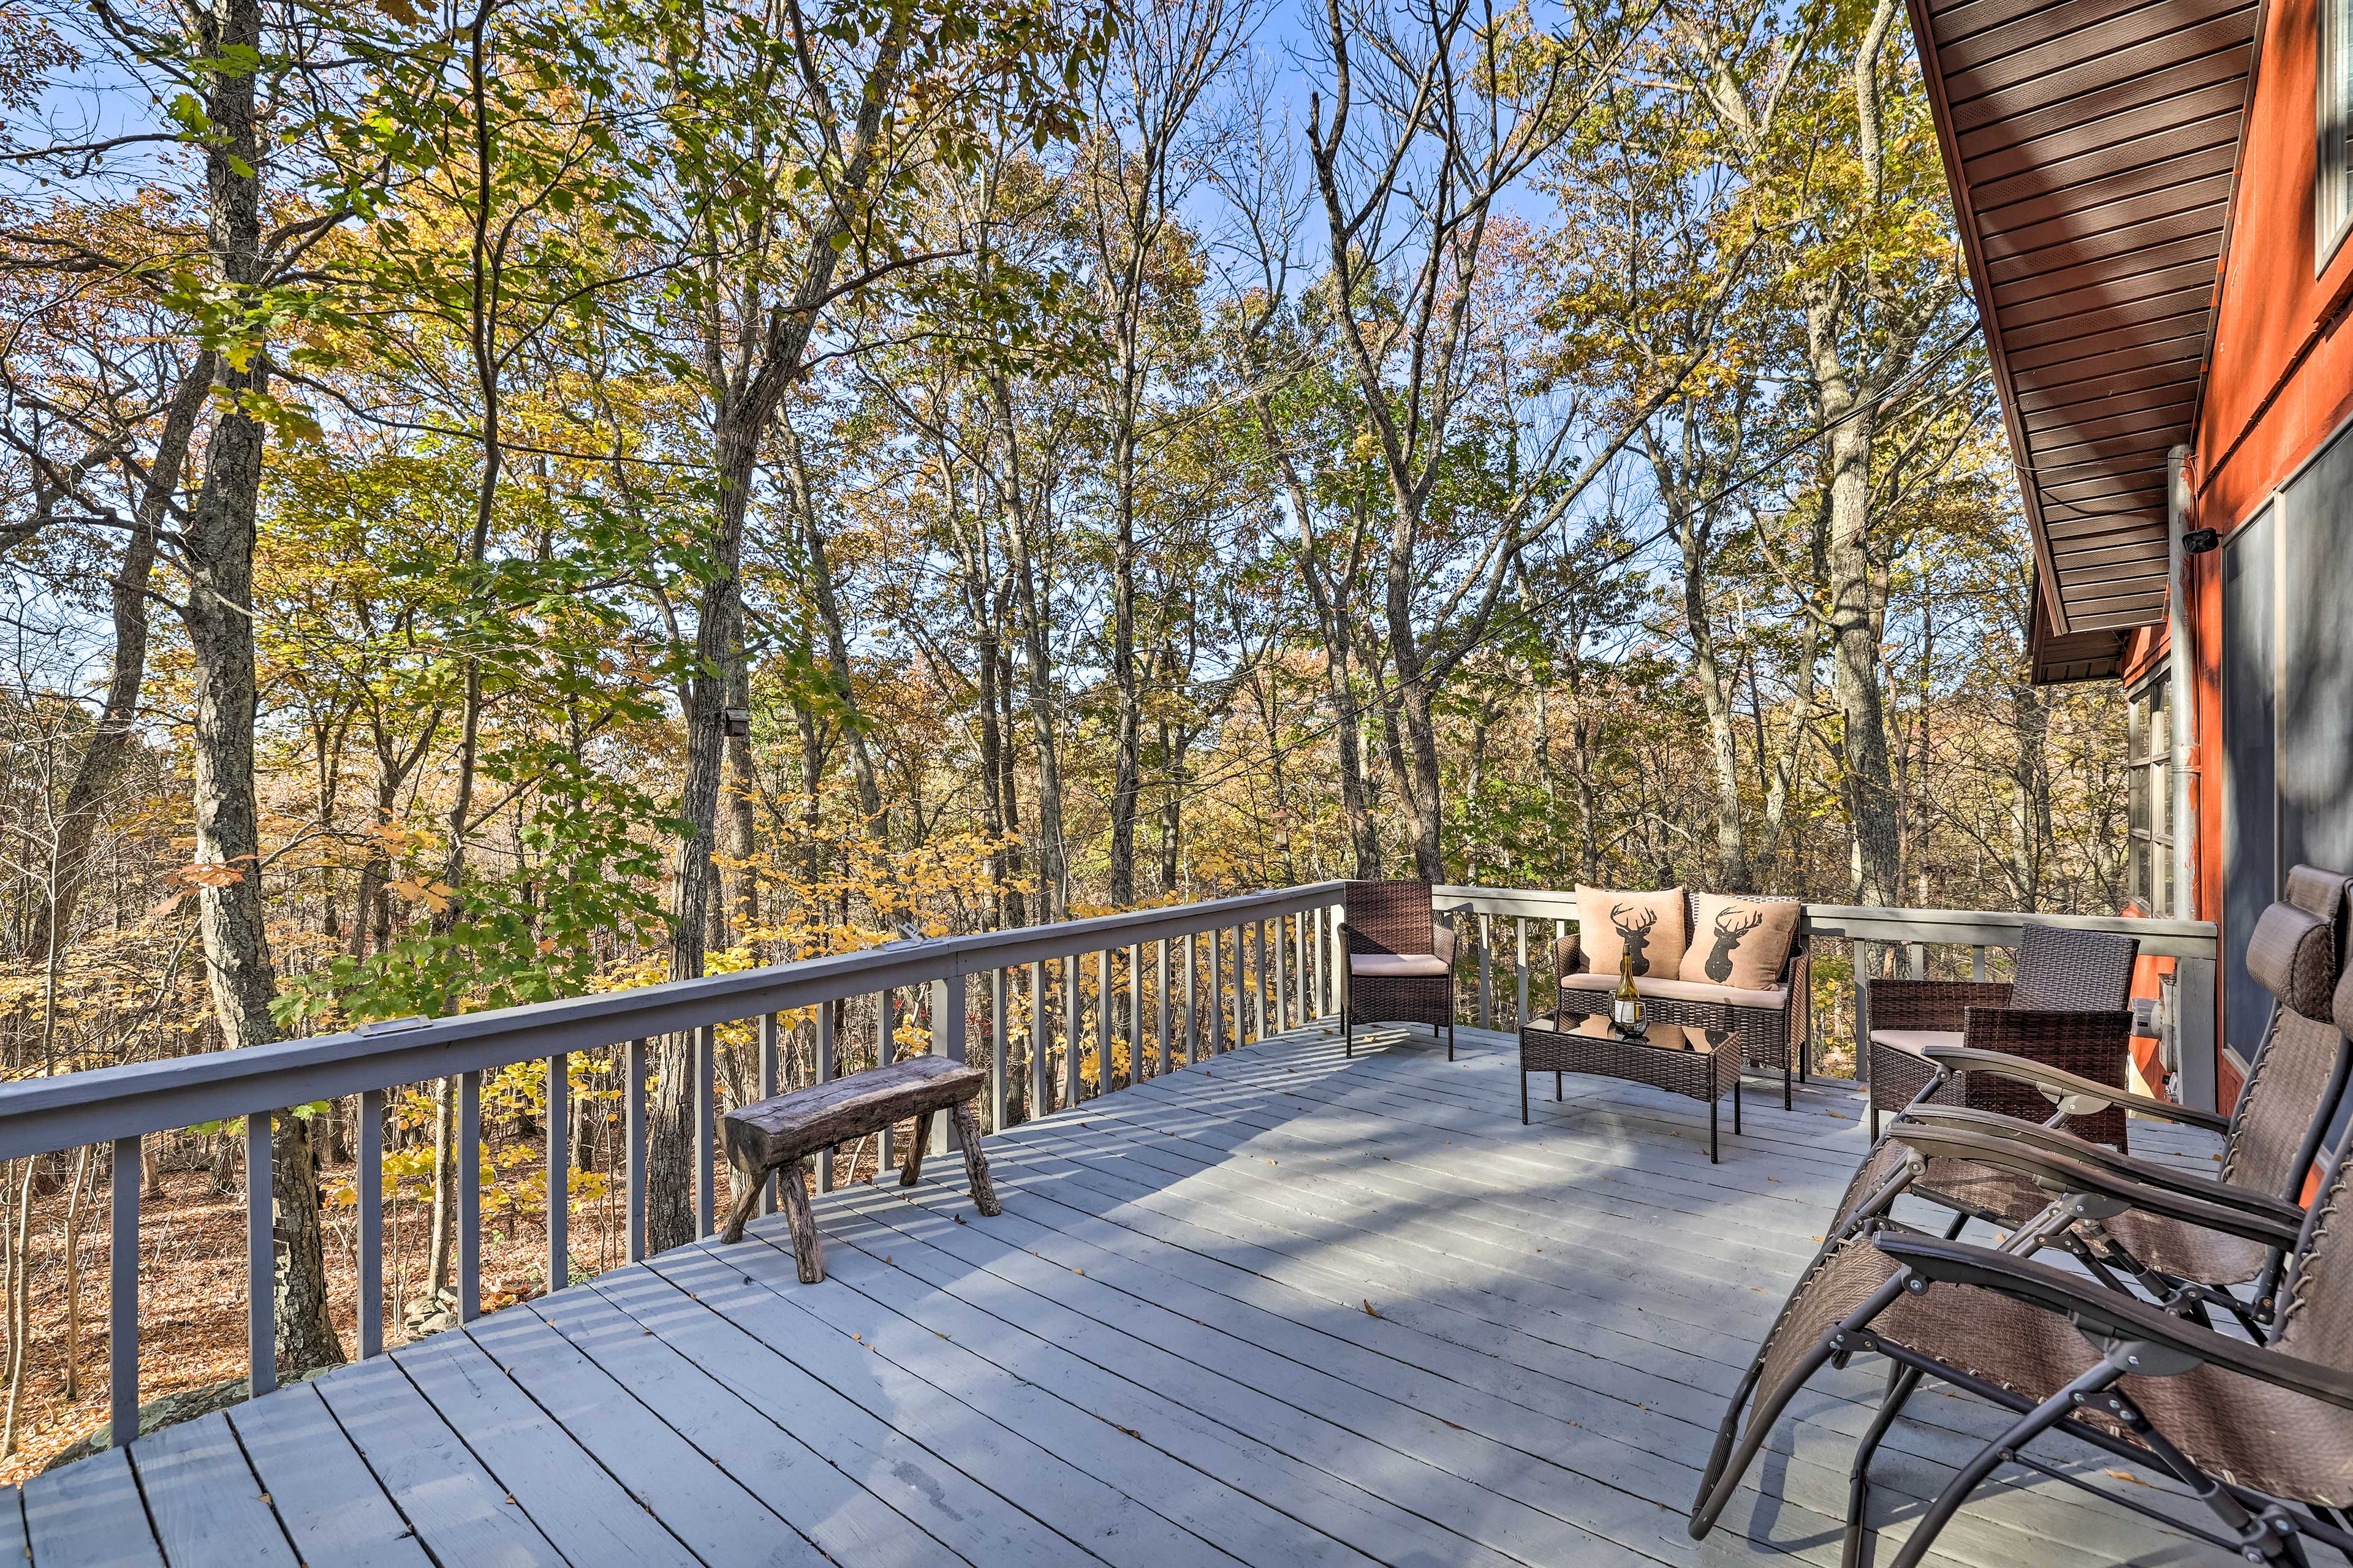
x=1715 y=699
x=1867 y=779
x=220 y=618
x=110 y=740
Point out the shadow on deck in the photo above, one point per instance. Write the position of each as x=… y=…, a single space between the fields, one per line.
x=1279 y=1308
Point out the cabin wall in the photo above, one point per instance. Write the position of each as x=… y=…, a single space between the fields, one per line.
x=2272 y=471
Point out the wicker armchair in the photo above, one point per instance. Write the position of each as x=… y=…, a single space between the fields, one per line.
x=2078 y=985
x=1400 y=961
x=1776 y=1027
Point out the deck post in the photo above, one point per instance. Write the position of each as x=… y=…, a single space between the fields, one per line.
x=122 y=1296
x=367 y=1183
x=261 y=1257
x=559 y=1173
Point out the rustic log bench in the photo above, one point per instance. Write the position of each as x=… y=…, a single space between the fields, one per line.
x=777 y=1135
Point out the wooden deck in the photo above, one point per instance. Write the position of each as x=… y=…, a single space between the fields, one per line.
x=1280 y=1309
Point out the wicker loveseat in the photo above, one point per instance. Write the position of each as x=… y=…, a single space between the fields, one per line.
x=1775 y=1023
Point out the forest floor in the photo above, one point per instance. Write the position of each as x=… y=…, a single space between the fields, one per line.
x=192 y=1288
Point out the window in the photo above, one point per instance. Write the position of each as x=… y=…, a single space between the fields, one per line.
x=2148 y=761
x=2332 y=193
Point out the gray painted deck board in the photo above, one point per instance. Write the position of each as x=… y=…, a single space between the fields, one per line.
x=319 y=1488
x=584 y=1512
x=457 y=1507
x=89 y=1513
x=842 y=1518
x=200 y=1489
x=1277 y=1308
x=723 y=1522
x=970 y=1520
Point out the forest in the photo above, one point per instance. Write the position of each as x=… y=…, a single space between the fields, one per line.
x=510 y=498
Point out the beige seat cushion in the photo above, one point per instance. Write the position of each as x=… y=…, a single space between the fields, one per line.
x=1772 y=998
x=1738 y=942
x=1395 y=965
x=1916 y=1041
x=1652 y=925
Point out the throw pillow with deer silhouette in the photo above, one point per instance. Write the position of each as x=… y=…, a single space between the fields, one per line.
x=1648 y=925
x=1739 y=943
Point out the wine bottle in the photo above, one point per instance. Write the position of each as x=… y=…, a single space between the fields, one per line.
x=1626 y=1006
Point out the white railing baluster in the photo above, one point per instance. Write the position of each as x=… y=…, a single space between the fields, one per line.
x=1041 y=1092
x=469 y=1196
x=633 y=1101
x=1192 y=981
x=1070 y=1083
x=948 y=999
x=824 y=1075
x=1165 y=1058
x=261 y=1257
x=123 y=1295
x=772 y=1033
x=886 y=1051
x=1135 y=1013
x=559 y=1173
x=367 y=1183
x=1977 y=963
x=1520 y=971
x=1286 y=1015
x=1486 y=971
x=997 y=1036
x=1235 y=1039
x=1258 y=979
x=706 y=1067
x=1102 y=1021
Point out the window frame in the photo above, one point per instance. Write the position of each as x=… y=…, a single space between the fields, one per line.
x=2332 y=192
x=2148 y=769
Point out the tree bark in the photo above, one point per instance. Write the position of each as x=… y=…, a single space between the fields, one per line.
x=110 y=740
x=218 y=614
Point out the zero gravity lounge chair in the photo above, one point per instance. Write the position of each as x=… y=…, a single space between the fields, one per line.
x=2260 y=1434
x=2292 y=1094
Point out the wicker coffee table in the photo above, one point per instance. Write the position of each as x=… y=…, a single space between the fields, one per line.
x=1673 y=1053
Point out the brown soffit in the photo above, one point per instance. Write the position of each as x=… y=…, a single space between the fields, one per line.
x=2093 y=147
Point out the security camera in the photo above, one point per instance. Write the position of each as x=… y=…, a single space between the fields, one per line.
x=2199 y=541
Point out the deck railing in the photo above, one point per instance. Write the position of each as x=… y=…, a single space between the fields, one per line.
x=1242 y=968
